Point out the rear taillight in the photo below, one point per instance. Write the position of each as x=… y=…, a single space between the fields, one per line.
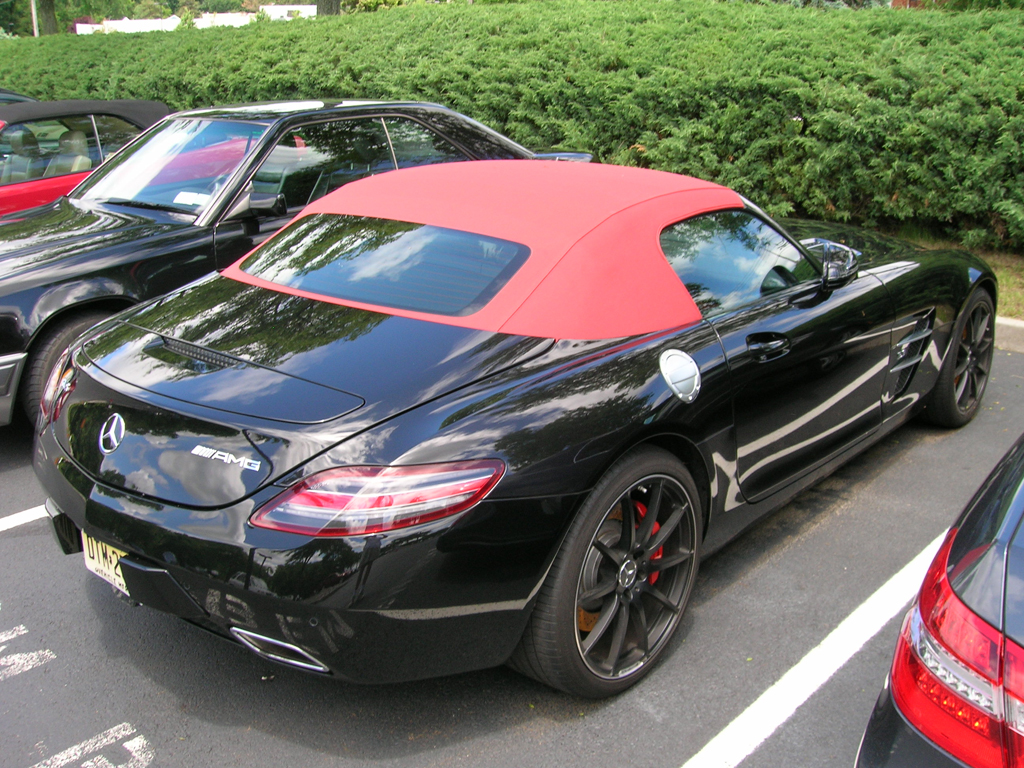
x=956 y=679
x=1013 y=692
x=59 y=385
x=356 y=501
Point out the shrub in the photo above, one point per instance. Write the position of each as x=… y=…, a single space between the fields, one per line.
x=875 y=116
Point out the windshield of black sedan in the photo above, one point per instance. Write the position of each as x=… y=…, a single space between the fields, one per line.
x=178 y=167
x=387 y=263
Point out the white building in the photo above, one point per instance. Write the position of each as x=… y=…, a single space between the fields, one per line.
x=275 y=12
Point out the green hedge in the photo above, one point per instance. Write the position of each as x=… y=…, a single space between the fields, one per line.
x=875 y=116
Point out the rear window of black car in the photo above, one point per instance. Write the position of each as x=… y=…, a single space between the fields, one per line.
x=388 y=263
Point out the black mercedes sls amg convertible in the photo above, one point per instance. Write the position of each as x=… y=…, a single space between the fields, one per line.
x=467 y=414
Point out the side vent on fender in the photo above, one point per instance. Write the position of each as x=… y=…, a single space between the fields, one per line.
x=909 y=351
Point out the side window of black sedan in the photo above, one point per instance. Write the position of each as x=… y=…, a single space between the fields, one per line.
x=731 y=258
x=416 y=145
x=312 y=160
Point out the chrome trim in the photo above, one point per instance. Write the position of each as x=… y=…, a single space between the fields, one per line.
x=11 y=367
x=252 y=641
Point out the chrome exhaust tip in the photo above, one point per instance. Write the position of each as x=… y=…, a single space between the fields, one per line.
x=275 y=650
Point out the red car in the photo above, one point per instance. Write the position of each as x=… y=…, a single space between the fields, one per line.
x=48 y=147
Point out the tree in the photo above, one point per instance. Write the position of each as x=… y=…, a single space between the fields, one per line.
x=151 y=9
x=328 y=7
x=46 y=11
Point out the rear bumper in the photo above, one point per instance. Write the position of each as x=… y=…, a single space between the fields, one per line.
x=402 y=608
x=11 y=367
x=889 y=741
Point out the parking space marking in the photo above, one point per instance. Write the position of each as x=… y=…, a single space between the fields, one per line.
x=20 y=518
x=16 y=663
x=775 y=706
x=141 y=754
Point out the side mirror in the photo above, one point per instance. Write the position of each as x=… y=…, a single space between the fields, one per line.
x=256 y=204
x=838 y=262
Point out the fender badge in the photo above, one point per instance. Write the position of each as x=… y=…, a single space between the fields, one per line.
x=111 y=434
x=681 y=373
x=227 y=458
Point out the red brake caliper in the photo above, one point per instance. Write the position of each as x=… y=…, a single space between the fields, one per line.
x=641 y=510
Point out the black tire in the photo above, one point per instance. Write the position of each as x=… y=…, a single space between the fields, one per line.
x=616 y=593
x=957 y=394
x=45 y=353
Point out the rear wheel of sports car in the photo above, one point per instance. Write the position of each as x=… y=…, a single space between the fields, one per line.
x=961 y=383
x=46 y=353
x=621 y=581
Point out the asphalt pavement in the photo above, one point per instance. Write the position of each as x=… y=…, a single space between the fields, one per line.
x=86 y=677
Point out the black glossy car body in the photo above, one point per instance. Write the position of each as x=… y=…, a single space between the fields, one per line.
x=720 y=411
x=66 y=265
x=967 y=715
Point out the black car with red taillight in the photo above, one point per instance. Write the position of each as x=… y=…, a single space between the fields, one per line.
x=955 y=693
x=467 y=414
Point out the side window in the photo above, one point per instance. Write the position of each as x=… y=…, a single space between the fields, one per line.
x=42 y=148
x=732 y=258
x=114 y=133
x=416 y=145
x=313 y=160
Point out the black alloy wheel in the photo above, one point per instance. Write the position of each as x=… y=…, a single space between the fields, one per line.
x=964 y=376
x=619 y=585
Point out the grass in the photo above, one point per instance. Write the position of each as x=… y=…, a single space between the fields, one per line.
x=1009 y=268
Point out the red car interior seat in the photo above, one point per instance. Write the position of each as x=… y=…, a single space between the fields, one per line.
x=72 y=156
x=24 y=162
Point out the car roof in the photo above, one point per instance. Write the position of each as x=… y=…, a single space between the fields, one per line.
x=141 y=113
x=275 y=110
x=596 y=269
x=12 y=97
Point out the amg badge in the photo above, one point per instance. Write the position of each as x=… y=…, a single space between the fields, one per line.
x=227 y=458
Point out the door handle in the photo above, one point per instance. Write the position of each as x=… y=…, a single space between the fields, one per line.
x=767 y=346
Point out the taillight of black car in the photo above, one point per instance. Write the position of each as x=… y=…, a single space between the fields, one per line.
x=357 y=501
x=956 y=678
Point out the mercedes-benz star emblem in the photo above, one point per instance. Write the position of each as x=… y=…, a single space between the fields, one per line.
x=112 y=434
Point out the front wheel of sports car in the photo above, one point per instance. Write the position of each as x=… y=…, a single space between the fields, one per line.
x=621 y=581
x=964 y=375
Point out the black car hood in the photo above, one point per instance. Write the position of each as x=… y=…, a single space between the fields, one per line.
x=222 y=373
x=71 y=229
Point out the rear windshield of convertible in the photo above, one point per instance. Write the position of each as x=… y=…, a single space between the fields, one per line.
x=388 y=263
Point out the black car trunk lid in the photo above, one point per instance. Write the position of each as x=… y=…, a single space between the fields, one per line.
x=227 y=387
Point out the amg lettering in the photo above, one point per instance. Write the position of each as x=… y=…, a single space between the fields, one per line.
x=227 y=458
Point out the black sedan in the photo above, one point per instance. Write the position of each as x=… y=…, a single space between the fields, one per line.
x=955 y=693
x=192 y=195
x=478 y=413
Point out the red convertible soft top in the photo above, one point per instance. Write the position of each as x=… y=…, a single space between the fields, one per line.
x=595 y=270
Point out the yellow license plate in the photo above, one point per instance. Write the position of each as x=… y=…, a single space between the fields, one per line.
x=104 y=560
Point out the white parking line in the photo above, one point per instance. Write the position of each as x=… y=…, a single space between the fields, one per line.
x=742 y=736
x=139 y=749
x=16 y=663
x=20 y=518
